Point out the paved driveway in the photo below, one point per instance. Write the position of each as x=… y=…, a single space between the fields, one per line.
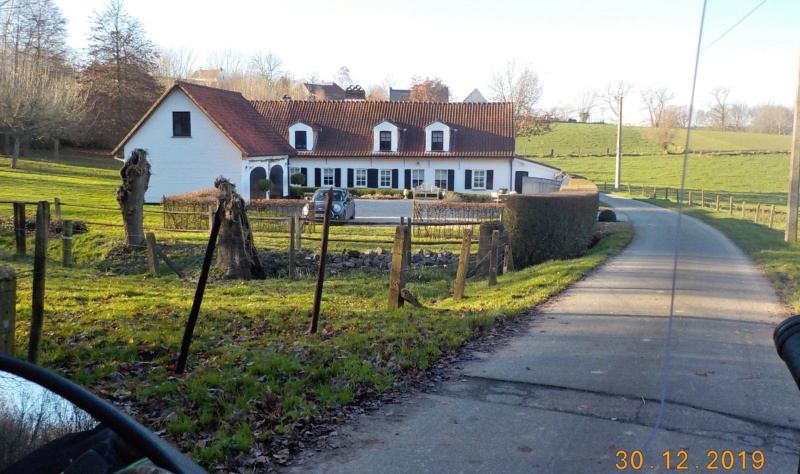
x=581 y=387
x=386 y=210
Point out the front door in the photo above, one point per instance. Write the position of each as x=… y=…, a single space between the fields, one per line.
x=518 y=180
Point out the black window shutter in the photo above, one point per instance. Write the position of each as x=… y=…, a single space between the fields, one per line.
x=395 y=178
x=304 y=172
x=408 y=180
x=317 y=177
x=451 y=180
x=489 y=179
x=468 y=179
x=372 y=179
x=337 y=177
x=350 y=178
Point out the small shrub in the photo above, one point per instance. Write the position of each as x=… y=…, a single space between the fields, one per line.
x=298 y=179
x=607 y=215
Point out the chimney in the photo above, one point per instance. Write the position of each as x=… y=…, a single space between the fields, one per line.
x=355 y=92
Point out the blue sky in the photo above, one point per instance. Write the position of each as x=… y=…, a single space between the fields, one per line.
x=571 y=44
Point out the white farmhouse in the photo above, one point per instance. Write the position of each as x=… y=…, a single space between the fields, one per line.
x=194 y=134
x=456 y=146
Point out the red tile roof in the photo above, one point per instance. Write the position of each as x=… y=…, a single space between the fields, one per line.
x=482 y=129
x=233 y=115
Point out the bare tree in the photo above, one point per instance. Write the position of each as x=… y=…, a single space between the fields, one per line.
x=230 y=61
x=521 y=87
x=771 y=118
x=739 y=116
x=719 y=109
x=135 y=176
x=377 y=92
x=237 y=256
x=656 y=101
x=174 y=64
x=343 y=77
x=585 y=102
x=615 y=93
x=266 y=65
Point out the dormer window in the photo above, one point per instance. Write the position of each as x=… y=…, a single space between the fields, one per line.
x=437 y=140
x=386 y=137
x=300 y=140
x=303 y=136
x=438 y=137
x=181 y=124
x=386 y=141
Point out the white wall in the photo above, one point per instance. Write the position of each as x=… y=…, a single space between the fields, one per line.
x=184 y=164
x=501 y=167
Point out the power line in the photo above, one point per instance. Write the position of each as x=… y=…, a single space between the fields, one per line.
x=734 y=26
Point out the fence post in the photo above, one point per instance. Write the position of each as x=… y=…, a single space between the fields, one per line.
x=666 y=194
x=407 y=250
x=703 y=198
x=758 y=212
x=210 y=216
x=8 y=309
x=643 y=190
x=39 y=271
x=152 y=255
x=690 y=199
x=771 y=215
x=292 y=231
x=493 y=257
x=57 y=205
x=743 y=206
x=323 y=257
x=463 y=264
x=19 y=227
x=629 y=189
x=730 y=204
x=484 y=244
x=298 y=232
x=717 y=202
x=66 y=243
x=397 y=277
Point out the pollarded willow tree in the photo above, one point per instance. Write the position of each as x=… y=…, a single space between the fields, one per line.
x=135 y=176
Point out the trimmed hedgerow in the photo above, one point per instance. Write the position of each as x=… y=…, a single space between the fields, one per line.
x=550 y=226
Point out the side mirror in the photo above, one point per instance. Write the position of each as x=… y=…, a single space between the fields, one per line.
x=75 y=430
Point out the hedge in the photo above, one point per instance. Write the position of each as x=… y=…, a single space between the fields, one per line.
x=550 y=226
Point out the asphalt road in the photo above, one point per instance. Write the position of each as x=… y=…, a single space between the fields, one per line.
x=382 y=210
x=579 y=390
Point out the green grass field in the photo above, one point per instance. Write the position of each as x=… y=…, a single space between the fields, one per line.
x=256 y=380
x=600 y=139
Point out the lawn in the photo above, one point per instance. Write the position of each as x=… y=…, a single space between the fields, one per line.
x=601 y=139
x=256 y=381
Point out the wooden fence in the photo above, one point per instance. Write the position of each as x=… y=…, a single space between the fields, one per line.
x=774 y=216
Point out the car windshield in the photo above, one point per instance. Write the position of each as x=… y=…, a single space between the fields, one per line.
x=322 y=194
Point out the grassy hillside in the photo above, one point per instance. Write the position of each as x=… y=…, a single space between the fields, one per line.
x=597 y=139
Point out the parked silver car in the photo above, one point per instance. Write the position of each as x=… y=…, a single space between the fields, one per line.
x=343 y=206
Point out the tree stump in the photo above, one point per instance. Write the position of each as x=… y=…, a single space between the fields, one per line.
x=237 y=256
x=135 y=176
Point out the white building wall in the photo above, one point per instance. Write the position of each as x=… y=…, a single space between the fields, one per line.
x=502 y=169
x=184 y=164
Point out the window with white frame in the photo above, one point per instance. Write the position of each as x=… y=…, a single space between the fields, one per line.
x=293 y=170
x=328 y=176
x=300 y=140
x=437 y=140
x=386 y=141
x=386 y=179
x=417 y=177
x=478 y=179
x=440 y=179
x=361 y=178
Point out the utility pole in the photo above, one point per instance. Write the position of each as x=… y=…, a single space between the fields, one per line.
x=794 y=174
x=618 y=169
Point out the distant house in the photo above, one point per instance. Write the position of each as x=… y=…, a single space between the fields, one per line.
x=475 y=96
x=457 y=146
x=209 y=77
x=194 y=134
x=396 y=95
x=324 y=91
